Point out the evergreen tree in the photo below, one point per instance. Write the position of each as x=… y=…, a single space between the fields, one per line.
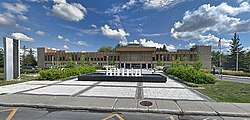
x=164 y=48
x=29 y=59
x=235 y=48
x=1 y=58
x=105 y=49
x=82 y=60
x=216 y=58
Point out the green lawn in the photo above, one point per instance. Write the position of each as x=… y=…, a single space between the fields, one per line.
x=224 y=91
x=24 y=78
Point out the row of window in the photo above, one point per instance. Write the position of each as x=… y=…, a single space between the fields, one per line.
x=161 y=57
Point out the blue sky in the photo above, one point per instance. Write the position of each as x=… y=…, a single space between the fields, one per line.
x=86 y=25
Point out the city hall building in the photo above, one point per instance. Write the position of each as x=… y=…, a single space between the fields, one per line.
x=130 y=56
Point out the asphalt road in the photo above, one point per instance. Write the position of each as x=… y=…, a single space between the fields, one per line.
x=234 y=79
x=7 y=113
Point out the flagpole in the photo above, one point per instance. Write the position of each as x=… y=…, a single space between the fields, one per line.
x=220 y=60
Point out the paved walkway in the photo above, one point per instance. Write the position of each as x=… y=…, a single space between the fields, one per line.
x=126 y=105
x=240 y=79
x=170 y=97
x=171 y=90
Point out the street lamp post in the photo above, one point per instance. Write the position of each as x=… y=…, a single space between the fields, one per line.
x=162 y=60
x=107 y=60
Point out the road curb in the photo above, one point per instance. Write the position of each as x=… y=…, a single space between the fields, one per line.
x=102 y=109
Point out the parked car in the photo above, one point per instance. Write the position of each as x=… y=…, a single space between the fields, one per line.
x=28 y=67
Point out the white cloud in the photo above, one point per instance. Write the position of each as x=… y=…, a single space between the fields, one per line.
x=93 y=26
x=154 y=35
x=121 y=8
x=83 y=43
x=40 y=33
x=66 y=47
x=23 y=37
x=119 y=33
x=60 y=37
x=150 y=43
x=190 y=45
x=85 y=31
x=16 y=8
x=60 y=1
x=39 y=1
x=159 y=4
x=116 y=21
x=219 y=19
x=70 y=12
x=22 y=17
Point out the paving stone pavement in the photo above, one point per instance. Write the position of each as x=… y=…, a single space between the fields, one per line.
x=111 y=92
x=57 y=90
x=170 y=90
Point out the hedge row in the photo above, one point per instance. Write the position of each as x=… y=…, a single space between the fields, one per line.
x=189 y=74
x=59 y=74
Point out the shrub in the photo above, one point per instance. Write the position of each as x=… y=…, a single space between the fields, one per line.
x=59 y=74
x=27 y=71
x=192 y=75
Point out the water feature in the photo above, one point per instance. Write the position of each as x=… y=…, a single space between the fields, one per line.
x=123 y=75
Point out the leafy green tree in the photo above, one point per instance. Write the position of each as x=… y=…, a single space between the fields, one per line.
x=105 y=49
x=159 y=63
x=112 y=62
x=29 y=59
x=89 y=62
x=185 y=62
x=175 y=62
x=82 y=60
x=1 y=58
x=70 y=63
x=235 y=48
x=198 y=63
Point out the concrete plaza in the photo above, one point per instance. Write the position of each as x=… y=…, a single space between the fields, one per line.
x=170 y=97
x=171 y=90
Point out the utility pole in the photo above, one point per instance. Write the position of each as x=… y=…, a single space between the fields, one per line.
x=220 y=73
x=237 y=55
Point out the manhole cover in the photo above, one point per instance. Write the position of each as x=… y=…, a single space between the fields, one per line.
x=146 y=103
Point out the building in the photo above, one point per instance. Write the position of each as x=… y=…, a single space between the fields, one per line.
x=131 y=56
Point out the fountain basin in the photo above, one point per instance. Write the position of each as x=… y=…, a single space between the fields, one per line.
x=142 y=78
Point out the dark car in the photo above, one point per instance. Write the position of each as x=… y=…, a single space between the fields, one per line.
x=28 y=67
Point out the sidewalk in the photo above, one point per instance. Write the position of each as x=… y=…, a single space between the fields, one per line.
x=126 y=105
x=243 y=77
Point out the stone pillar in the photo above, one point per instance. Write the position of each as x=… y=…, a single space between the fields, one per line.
x=11 y=58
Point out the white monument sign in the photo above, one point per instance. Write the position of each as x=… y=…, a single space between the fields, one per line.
x=11 y=58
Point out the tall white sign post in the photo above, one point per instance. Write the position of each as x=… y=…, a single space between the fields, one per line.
x=11 y=58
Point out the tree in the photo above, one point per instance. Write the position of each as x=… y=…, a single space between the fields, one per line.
x=159 y=63
x=198 y=63
x=185 y=62
x=235 y=48
x=70 y=63
x=164 y=48
x=175 y=62
x=106 y=49
x=112 y=62
x=90 y=63
x=216 y=58
x=29 y=59
x=1 y=58
x=82 y=60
